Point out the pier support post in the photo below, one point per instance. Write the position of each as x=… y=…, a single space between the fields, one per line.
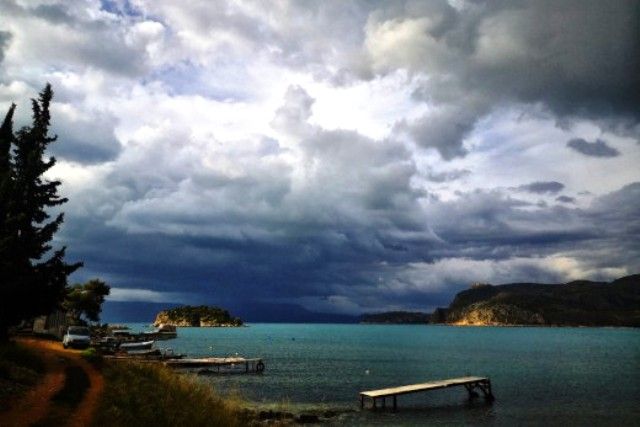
x=485 y=386
x=470 y=388
x=395 y=403
x=361 y=401
x=489 y=392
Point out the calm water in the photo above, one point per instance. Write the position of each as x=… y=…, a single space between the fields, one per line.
x=553 y=376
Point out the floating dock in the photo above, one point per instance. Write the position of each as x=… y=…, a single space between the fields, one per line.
x=470 y=383
x=219 y=364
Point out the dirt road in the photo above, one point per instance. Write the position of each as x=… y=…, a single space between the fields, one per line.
x=38 y=404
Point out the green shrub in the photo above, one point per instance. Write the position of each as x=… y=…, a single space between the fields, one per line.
x=92 y=356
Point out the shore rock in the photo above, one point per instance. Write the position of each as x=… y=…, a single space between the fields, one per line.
x=307 y=419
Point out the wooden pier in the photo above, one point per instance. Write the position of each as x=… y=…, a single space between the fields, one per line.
x=470 y=383
x=219 y=364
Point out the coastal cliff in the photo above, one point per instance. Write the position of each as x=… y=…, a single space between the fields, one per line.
x=201 y=316
x=579 y=303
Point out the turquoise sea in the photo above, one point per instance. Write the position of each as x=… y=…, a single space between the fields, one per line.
x=540 y=376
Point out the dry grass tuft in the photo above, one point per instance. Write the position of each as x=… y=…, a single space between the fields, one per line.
x=138 y=394
x=20 y=369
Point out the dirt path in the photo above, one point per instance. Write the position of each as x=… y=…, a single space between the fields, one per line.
x=36 y=404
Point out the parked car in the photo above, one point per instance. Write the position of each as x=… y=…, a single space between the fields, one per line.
x=77 y=336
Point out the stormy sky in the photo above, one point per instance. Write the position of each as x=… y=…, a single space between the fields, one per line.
x=339 y=156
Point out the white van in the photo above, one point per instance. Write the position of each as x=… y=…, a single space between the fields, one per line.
x=77 y=336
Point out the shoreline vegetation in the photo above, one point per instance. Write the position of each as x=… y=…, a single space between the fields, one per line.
x=577 y=303
x=144 y=394
x=134 y=393
x=138 y=394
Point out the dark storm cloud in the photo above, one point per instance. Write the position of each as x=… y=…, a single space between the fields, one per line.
x=89 y=139
x=54 y=13
x=315 y=262
x=584 y=61
x=90 y=40
x=598 y=148
x=490 y=225
x=346 y=232
x=443 y=131
x=580 y=59
x=566 y=199
x=257 y=233
x=5 y=38
x=447 y=176
x=332 y=219
x=616 y=220
x=541 y=187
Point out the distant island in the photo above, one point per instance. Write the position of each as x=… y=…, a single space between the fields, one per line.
x=578 y=303
x=201 y=316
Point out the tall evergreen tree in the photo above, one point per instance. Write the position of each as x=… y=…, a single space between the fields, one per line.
x=8 y=230
x=36 y=278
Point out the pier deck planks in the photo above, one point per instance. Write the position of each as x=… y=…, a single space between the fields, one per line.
x=470 y=383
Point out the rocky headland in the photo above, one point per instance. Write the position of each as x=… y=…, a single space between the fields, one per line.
x=200 y=316
x=578 y=303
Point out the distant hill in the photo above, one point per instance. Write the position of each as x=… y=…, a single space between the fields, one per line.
x=579 y=303
x=404 y=317
x=438 y=316
x=248 y=311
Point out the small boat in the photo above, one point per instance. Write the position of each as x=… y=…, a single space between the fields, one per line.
x=121 y=334
x=162 y=332
x=135 y=346
x=218 y=364
x=151 y=355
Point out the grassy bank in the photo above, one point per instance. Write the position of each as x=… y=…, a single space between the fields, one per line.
x=138 y=394
x=20 y=369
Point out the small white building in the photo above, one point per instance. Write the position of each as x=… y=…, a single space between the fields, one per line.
x=55 y=323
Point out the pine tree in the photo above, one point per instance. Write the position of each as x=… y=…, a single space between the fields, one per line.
x=36 y=278
x=8 y=231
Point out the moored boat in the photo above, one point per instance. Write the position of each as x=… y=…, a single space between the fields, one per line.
x=135 y=346
x=162 y=332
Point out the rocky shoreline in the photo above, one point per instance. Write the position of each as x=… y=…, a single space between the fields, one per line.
x=267 y=417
